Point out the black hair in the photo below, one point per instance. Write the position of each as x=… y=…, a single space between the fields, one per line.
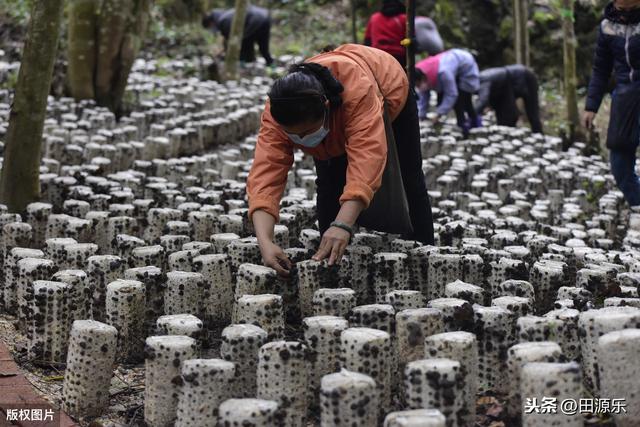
x=300 y=96
x=207 y=20
x=419 y=75
x=392 y=8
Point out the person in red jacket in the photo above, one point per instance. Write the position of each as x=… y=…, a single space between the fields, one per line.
x=387 y=28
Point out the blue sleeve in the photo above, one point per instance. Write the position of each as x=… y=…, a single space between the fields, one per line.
x=602 y=66
x=423 y=103
x=449 y=92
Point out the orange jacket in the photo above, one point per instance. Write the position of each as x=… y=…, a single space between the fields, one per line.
x=357 y=128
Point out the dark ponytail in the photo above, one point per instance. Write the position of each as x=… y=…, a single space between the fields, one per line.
x=391 y=8
x=299 y=96
x=331 y=86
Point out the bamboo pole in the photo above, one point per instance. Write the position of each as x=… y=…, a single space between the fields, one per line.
x=521 y=31
x=524 y=27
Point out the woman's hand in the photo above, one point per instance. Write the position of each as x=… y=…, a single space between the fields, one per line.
x=587 y=119
x=334 y=242
x=335 y=239
x=273 y=256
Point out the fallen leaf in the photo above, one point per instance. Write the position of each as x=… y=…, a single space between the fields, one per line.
x=487 y=400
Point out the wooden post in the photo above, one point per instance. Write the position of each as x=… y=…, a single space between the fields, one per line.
x=521 y=31
x=569 y=62
x=20 y=179
x=411 y=48
x=235 y=41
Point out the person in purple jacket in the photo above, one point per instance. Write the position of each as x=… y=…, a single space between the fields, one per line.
x=618 y=50
x=455 y=77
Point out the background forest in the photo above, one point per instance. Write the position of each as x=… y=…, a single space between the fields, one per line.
x=302 y=27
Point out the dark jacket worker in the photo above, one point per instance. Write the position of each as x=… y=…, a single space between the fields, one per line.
x=257 y=30
x=501 y=87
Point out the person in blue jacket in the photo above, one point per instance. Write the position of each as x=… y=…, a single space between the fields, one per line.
x=618 y=50
x=455 y=77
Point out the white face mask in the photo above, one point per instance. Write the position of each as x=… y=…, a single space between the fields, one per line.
x=313 y=139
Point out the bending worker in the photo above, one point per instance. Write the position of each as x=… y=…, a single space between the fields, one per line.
x=454 y=76
x=499 y=89
x=387 y=28
x=331 y=107
x=257 y=30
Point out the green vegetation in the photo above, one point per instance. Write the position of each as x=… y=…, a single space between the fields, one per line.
x=16 y=10
x=181 y=11
x=304 y=27
x=10 y=81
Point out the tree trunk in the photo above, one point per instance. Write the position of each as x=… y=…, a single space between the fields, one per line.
x=113 y=24
x=354 y=22
x=136 y=27
x=569 y=61
x=521 y=31
x=411 y=48
x=20 y=179
x=82 y=48
x=104 y=38
x=235 y=41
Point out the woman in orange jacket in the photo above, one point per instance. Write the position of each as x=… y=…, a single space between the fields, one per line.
x=331 y=107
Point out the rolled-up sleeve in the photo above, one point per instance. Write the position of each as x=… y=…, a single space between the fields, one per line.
x=366 y=147
x=272 y=160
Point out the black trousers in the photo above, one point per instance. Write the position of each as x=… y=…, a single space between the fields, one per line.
x=331 y=177
x=504 y=102
x=261 y=38
x=531 y=102
x=464 y=108
x=402 y=59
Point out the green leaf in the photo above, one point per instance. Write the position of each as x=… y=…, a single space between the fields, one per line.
x=567 y=14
